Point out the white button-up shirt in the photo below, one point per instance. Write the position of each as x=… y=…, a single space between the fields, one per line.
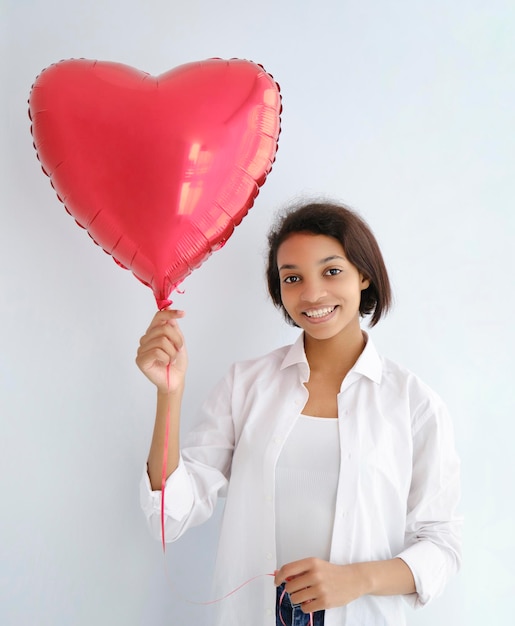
x=398 y=484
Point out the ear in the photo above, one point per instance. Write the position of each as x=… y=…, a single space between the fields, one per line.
x=365 y=282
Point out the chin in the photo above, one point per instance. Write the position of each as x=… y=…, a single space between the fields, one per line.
x=320 y=334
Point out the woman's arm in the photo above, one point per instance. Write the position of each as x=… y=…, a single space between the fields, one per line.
x=168 y=407
x=316 y=584
x=433 y=527
x=162 y=358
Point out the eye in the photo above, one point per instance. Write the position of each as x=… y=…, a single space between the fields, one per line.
x=291 y=279
x=333 y=271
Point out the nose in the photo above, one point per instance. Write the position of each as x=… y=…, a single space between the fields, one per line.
x=312 y=291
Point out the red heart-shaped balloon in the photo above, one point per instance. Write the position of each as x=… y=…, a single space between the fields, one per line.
x=158 y=169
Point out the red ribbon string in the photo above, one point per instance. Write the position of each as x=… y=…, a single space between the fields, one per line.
x=165 y=460
x=227 y=594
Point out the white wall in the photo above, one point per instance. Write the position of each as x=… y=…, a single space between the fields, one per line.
x=403 y=109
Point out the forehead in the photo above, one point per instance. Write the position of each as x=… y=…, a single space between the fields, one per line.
x=306 y=247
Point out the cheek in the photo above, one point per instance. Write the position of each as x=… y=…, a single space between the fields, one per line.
x=286 y=300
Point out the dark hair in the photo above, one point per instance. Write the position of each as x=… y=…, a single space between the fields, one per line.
x=354 y=234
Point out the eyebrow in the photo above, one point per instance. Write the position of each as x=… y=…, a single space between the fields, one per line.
x=287 y=266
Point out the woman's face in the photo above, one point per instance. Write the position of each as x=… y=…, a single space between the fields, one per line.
x=320 y=288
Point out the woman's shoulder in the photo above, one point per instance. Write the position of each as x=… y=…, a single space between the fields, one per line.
x=401 y=380
x=396 y=371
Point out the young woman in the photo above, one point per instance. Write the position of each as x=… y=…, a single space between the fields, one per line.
x=338 y=466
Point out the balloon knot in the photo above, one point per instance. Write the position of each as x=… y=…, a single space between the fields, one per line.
x=163 y=304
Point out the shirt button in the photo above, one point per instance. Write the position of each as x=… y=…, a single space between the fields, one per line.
x=268 y=498
x=269 y=612
x=269 y=556
x=277 y=440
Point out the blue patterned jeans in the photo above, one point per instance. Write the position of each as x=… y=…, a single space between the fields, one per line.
x=291 y=614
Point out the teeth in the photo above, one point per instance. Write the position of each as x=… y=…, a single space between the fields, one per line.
x=320 y=312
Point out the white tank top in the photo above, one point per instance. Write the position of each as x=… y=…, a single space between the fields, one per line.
x=306 y=480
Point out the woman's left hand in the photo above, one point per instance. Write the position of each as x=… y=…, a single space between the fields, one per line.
x=317 y=585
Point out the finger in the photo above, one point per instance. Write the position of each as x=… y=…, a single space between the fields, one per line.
x=169 y=314
x=292 y=570
x=297 y=584
x=166 y=316
x=311 y=606
x=147 y=359
x=165 y=331
x=153 y=349
x=305 y=595
x=280 y=576
x=285 y=574
x=167 y=339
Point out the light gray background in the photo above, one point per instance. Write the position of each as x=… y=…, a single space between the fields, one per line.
x=402 y=108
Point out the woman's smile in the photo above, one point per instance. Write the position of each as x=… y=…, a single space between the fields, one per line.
x=321 y=314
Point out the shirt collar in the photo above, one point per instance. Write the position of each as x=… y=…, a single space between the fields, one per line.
x=295 y=353
x=368 y=364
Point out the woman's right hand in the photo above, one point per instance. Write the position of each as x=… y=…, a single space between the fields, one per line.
x=162 y=346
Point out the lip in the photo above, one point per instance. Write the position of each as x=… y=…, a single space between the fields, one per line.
x=320 y=320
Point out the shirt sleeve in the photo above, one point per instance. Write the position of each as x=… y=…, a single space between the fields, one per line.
x=433 y=529
x=192 y=490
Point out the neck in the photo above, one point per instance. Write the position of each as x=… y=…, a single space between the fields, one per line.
x=337 y=354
